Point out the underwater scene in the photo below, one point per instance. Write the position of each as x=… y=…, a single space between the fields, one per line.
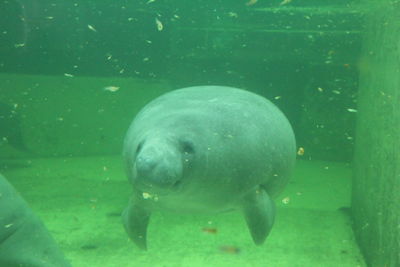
x=200 y=133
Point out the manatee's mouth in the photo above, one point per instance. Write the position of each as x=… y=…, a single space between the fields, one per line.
x=151 y=189
x=154 y=193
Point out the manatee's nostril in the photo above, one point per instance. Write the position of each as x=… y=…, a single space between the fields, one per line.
x=158 y=168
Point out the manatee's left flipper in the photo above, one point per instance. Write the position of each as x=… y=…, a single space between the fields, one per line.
x=135 y=219
x=259 y=212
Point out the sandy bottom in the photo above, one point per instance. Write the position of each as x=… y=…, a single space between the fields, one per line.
x=80 y=201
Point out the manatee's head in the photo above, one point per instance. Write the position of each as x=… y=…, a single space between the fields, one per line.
x=160 y=164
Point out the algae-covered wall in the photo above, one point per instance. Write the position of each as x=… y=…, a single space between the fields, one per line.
x=69 y=116
x=376 y=185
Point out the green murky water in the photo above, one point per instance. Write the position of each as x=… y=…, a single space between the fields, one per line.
x=73 y=74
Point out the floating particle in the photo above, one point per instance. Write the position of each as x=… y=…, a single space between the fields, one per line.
x=89 y=247
x=111 y=88
x=159 y=25
x=352 y=110
x=284 y=2
x=229 y=249
x=150 y=1
x=19 y=45
x=91 y=28
x=149 y=196
x=146 y=195
x=68 y=75
x=209 y=230
x=277 y=97
x=286 y=200
x=336 y=92
x=320 y=89
x=251 y=2
x=300 y=151
x=232 y=14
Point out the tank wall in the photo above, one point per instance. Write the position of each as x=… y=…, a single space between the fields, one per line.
x=70 y=116
x=301 y=55
x=376 y=185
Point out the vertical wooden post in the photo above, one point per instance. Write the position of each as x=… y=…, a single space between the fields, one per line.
x=376 y=184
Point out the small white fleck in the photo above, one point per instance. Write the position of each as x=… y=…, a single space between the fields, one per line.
x=159 y=25
x=91 y=28
x=111 y=88
x=286 y=200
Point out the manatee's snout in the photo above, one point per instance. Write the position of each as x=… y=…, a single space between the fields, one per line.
x=158 y=168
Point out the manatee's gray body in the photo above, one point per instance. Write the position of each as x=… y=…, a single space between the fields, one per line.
x=24 y=240
x=207 y=149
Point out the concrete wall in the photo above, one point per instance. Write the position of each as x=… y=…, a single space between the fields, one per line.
x=376 y=186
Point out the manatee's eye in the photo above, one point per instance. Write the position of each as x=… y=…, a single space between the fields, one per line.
x=139 y=147
x=187 y=147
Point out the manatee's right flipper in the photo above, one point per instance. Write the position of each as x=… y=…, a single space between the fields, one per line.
x=135 y=219
x=259 y=212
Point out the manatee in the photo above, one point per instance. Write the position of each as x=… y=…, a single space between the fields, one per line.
x=24 y=240
x=207 y=149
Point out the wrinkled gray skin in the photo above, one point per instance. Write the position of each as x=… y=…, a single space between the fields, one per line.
x=24 y=240
x=207 y=149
